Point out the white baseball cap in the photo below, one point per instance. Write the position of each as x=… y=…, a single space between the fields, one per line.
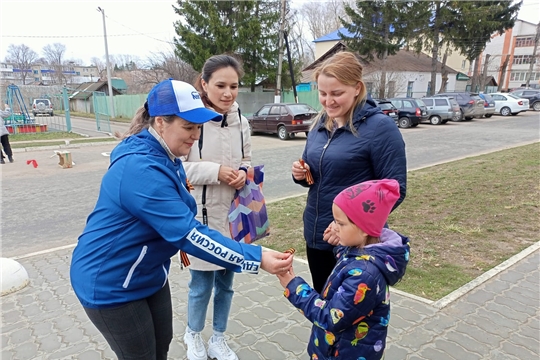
x=173 y=97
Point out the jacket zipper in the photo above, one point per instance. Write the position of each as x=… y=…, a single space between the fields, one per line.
x=319 y=187
x=134 y=266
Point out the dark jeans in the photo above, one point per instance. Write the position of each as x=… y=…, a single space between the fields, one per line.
x=5 y=144
x=140 y=330
x=321 y=263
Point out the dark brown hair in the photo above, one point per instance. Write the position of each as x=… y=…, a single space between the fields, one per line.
x=213 y=64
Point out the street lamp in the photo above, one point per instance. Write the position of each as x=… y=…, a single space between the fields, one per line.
x=111 y=101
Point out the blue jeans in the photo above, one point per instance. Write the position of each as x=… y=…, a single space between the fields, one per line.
x=138 y=330
x=200 y=289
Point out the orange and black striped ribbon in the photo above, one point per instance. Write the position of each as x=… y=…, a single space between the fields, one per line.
x=184 y=260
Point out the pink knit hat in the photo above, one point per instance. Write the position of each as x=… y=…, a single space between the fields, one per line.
x=368 y=204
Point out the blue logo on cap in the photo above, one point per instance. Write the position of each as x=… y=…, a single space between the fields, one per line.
x=195 y=95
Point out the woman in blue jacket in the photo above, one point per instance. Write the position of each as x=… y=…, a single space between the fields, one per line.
x=144 y=214
x=350 y=142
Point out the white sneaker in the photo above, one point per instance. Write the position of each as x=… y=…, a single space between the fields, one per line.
x=219 y=350
x=195 y=346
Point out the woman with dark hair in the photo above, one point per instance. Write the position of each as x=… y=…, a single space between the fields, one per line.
x=216 y=167
x=351 y=141
x=144 y=214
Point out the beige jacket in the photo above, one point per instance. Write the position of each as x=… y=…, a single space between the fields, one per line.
x=221 y=146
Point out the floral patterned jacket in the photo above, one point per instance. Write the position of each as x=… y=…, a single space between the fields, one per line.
x=350 y=318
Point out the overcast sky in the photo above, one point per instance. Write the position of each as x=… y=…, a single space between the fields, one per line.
x=134 y=27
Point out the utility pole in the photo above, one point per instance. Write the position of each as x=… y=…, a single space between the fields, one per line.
x=484 y=75
x=502 y=77
x=534 y=56
x=277 y=94
x=109 y=79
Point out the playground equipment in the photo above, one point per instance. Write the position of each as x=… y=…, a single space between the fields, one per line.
x=19 y=121
x=19 y=112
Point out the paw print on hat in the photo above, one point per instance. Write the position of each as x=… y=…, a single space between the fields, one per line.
x=369 y=203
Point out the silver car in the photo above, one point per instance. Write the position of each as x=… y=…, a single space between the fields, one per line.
x=442 y=109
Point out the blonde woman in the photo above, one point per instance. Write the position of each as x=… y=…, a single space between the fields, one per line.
x=351 y=141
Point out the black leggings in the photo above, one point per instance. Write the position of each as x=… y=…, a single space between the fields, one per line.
x=139 y=330
x=321 y=263
x=4 y=139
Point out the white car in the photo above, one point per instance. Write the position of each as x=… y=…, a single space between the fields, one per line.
x=506 y=104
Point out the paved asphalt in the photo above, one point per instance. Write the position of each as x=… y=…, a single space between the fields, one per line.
x=497 y=316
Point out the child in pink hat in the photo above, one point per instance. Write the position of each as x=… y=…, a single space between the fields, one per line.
x=351 y=316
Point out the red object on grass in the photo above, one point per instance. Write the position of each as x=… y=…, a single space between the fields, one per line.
x=33 y=162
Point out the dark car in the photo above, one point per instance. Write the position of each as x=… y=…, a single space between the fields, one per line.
x=283 y=119
x=411 y=111
x=388 y=108
x=532 y=95
x=489 y=105
x=470 y=104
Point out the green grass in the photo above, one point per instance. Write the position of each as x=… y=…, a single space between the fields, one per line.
x=463 y=218
x=47 y=139
x=51 y=135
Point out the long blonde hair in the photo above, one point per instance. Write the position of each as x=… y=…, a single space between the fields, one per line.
x=347 y=69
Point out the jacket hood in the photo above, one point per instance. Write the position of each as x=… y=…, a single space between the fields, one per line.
x=390 y=256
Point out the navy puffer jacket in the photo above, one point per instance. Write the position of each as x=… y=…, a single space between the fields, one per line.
x=343 y=159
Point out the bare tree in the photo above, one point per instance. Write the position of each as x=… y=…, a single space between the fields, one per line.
x=101 y=67
x=394 y=83
x=124 y=62
x=55 y=58
x=302 y=48
x=23 y=58
x=322 y=18
x=166 y=63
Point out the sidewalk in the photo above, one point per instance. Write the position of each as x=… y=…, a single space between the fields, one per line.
x=497 y=319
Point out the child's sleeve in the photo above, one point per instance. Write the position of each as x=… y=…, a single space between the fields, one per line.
x=354 y=299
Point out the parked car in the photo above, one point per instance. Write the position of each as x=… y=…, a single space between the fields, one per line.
x=42 y=106
x=489 y=105
x=533 y=95
x=283 y=119
x=470 y=104
x=506 y=104
x=388 y=109
x=441 y=109
x=411 y=111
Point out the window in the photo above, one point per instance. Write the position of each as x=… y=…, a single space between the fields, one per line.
x=275 y=110
x=410 y=88
x=408 y=104
x=391 y=88
x=524 y=75
x=524 y=41
x=264 y=111
x=463 y=64
x=524 y=59
x=428 y=102
x=440 y=102
x=284 y=111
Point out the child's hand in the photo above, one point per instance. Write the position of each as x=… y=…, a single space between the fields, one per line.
x=286 y=277
x=330 y=235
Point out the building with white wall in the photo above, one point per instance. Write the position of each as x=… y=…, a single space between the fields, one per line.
x=515 y=47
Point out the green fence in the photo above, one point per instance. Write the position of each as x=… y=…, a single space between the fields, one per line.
x=307 y=97
x=126 y=105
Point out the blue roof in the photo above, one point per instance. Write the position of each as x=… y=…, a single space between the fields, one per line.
x=334 y=36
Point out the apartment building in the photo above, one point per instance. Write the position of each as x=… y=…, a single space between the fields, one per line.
x=511 y=54
x=47 y=75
